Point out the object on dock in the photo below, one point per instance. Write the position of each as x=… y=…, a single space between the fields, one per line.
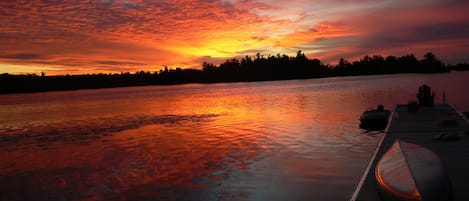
x=412 y=107
x=375 y=119
x=412 y=172
x=425 y=96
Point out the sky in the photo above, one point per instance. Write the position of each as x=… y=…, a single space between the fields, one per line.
x=113 y=36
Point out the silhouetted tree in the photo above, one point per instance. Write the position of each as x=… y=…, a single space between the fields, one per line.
x=272 y=67
x=430 y=64
x=208 y=67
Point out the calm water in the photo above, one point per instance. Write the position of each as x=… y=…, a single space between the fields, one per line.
x=281 y=140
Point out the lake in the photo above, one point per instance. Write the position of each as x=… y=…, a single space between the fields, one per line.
x=276 y=140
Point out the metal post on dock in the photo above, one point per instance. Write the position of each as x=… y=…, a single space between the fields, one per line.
x=444 y=97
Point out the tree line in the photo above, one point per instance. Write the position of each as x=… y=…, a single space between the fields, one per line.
x=257 y=68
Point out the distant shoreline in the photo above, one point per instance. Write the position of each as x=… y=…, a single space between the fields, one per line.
x=279 y=67
x=62 y=88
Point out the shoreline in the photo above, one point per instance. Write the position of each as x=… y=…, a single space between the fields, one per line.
x=35 y=84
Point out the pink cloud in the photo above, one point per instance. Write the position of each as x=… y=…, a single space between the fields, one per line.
x=441 y=28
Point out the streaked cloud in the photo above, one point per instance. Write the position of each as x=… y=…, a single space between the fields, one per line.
x=130 y=35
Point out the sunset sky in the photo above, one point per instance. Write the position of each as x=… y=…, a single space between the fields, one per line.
x=113 y=36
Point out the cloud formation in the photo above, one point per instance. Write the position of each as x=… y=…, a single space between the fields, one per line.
x=130 y=35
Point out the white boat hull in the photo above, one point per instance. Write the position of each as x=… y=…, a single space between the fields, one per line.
x=412 y=172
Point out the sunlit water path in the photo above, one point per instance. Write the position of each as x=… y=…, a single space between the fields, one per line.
x=280 y=140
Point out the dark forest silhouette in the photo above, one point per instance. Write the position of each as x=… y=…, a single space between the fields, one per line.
x=259 y=68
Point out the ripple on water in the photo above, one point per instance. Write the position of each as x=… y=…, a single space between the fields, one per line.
x=285 y=140
x=86 y=129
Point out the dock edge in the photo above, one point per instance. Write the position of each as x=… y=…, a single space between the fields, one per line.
x=357 y=190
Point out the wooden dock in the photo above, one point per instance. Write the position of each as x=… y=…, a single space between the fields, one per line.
x=421 y=128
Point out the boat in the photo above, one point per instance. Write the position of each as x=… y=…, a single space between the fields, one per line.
x=410 y=172
x=375 y=118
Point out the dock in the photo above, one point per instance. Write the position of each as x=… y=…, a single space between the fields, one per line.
x=423 y=127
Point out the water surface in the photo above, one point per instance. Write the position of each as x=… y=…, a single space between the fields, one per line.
x=280 y=140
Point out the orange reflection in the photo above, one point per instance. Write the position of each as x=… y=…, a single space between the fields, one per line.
x=394 y=176
x=156 y=142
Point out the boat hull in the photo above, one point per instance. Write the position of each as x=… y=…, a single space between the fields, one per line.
x=374 y=119
x=412 y=172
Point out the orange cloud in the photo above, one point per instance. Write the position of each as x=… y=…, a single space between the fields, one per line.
x=131 y=35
